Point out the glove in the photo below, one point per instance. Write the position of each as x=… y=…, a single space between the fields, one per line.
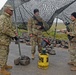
x=16 y=38
x=66 y=23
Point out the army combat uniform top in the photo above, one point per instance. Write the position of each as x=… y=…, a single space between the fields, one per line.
x=6 y=32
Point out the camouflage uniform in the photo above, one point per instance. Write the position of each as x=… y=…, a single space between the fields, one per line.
x=6 y=32
x=72 y=46
x=37 y=34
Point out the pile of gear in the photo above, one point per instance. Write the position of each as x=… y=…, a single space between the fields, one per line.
x=23 y=60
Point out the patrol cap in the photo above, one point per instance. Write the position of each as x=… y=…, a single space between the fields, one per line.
x=74 y=14
x=8 y=6
x=36 y=10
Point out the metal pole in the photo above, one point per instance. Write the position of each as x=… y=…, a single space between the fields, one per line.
x=16 y=27
x=55 y=28
x=53 y=41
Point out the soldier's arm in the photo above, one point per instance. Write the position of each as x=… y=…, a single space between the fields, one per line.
x=29 y=26
x=7 y=29
x=73 y=33
x=1 y=24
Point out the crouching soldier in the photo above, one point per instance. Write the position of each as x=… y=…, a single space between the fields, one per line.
x=7 y=31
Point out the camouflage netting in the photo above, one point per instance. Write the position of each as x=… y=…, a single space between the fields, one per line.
x=49 y=10
x=65 y=15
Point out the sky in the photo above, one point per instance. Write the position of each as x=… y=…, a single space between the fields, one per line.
x=2 y=2
x=59 y=21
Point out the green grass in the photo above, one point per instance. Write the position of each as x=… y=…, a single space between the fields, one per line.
x=51 y=32
x=59 y=26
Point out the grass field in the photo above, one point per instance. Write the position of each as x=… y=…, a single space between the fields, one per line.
x=51 y=31
x=59 y=26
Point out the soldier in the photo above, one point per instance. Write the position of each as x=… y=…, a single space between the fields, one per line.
x=35 y=27
x=72 y=49
x=7 y=31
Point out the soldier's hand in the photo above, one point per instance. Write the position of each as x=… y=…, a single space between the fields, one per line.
x=16 y=33
x=63 y=31
x=38 y=27
x=31 y=35
x=71 y=34
x=67 y=32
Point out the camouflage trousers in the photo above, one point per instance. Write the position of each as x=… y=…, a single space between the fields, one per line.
x=36 y=40
x=4 y=50
x=72 y=51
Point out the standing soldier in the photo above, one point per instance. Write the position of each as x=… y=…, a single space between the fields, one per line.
x=35 y=27
x=7 y=31
x=72 y=49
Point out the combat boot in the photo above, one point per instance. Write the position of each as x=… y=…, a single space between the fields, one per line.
x=39 y=51
x=71 y=63
x=8 y=67
x=33 y=57
x=73 y=68
x=4 y=72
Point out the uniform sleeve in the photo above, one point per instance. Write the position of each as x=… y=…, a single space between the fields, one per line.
x=73 y=30
x=1 y=24
x=29 y=26
x=7 y=29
